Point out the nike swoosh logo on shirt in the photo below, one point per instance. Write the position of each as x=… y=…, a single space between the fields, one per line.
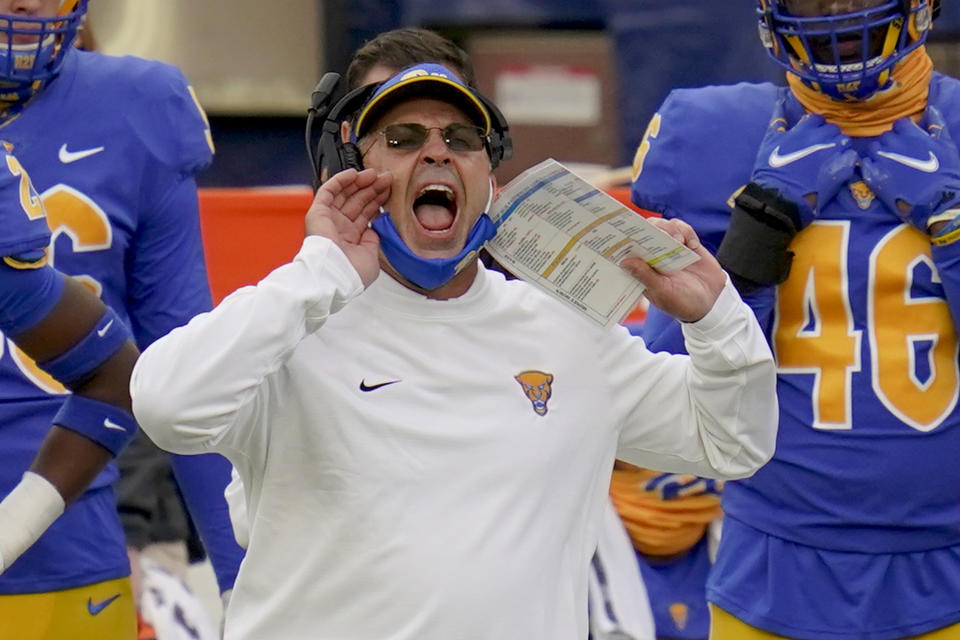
x=365 y=387
x=776 y=160
x=94 y=609
x=930 y=165
x=106 y=327
x=66 y=157
x=110 y=424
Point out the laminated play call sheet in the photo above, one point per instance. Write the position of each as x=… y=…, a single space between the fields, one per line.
x=562 y=234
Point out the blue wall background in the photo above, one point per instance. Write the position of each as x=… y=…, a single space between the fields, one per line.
x=659 y=45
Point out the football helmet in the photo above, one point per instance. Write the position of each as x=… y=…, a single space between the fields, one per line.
x=32 y=49
x=850 y=55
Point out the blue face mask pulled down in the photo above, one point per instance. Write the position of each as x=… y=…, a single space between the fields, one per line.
x=429 y=273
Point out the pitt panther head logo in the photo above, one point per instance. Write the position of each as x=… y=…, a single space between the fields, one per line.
x=680 y=613
x=536 y=386
x=862 y=194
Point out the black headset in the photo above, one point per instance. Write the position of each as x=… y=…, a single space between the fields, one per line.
x=331 y=155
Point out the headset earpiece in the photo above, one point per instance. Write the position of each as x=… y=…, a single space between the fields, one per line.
x=332 y=154
x=500 y=147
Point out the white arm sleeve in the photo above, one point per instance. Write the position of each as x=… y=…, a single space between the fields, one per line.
x=713 y=413
x=191 y=387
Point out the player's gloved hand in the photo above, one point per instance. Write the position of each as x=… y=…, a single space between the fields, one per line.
x=670 y=486
x=805 y=164
x=798 y=170
x=915 y=170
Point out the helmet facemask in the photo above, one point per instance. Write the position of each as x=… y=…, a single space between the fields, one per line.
x=849 y=55
x=32 y=49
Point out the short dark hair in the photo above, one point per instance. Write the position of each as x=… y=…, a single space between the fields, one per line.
x=405 y=47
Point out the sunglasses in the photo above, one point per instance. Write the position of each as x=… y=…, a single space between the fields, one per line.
x=411 y=136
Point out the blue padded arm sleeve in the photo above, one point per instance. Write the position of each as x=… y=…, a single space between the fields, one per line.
x=27 y=296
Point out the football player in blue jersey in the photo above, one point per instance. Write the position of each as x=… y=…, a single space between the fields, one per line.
x=113 y=144
x=834 y=202
x=60 y=323
x=671 y=520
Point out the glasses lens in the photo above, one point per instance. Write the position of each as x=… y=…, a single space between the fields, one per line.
x=411 y=136
x=405 y=136
x=463 y=137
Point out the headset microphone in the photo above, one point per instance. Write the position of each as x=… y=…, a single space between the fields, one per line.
x=322 y=93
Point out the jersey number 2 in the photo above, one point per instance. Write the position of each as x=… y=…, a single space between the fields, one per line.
x=87 y=225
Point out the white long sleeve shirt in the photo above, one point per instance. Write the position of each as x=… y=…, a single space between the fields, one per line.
x=400 y=483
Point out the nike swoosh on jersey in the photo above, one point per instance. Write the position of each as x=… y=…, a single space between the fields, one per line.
x=776 y=160
x=94 y=609
x=106 y=327
x=930 y=165
x=365 y=387
x=110 y=424
x=66 y=157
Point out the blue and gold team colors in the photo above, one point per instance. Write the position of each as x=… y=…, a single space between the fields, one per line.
x=111 y=145
x=25 y=235
x=864 y=335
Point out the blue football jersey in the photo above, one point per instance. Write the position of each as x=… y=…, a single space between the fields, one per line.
x=23 y=226
x=868 y=375
x=111 y=145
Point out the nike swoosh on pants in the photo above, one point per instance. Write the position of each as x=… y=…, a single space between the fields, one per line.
x=95 y=608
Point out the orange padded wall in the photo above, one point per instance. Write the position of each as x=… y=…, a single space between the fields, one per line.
x=249 y=232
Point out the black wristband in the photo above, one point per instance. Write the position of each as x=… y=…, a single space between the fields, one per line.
x=755 y=248
x=769 y=207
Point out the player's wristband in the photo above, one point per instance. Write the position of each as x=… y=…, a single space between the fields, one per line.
x=25 y=514
x=109 y=426
x=948 y=233
x=944 y=216
x=79 y=361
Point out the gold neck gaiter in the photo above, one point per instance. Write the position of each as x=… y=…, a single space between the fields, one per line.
x=906 y=96
x=660 y=527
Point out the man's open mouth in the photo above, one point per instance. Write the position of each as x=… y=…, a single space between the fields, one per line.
x=435 y=207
